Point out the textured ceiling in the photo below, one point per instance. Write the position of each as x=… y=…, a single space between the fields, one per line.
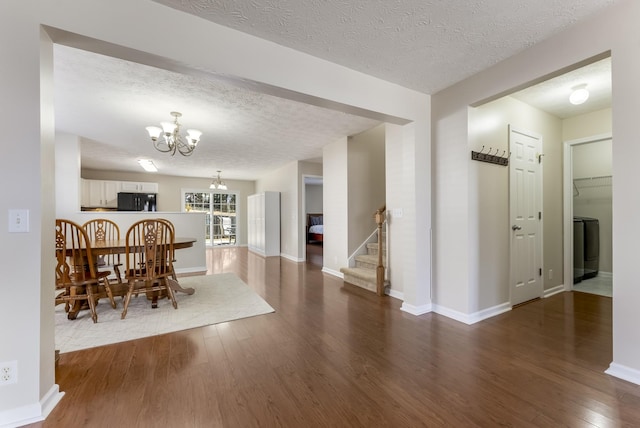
x=109 y=102
x=424 y=45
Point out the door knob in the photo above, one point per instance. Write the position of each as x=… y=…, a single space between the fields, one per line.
x=516 y=227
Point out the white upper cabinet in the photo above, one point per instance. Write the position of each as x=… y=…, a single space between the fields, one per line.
x=104 y=193
x=139 y=187
x=100 y=193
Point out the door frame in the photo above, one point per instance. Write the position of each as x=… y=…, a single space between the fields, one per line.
x=540 y=225
x=567 y=172
x=302 y=223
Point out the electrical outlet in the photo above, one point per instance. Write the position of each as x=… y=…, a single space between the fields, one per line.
x=8 y=372
x=550 y=273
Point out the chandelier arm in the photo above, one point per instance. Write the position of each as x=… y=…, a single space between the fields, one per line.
x=185 y=152
x=184 y=148
x=161 y=149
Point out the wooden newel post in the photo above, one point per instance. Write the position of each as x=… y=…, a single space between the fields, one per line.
x=379 y=216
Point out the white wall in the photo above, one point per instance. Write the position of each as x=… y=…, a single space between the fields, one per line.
x=587 y=125
x=488 y=127
x=67 y=181
x=451 y=209
x=409 y=215
x=26 y=259
x=365 y=183
x=396 y=242
x=335 y=242
x=452 y=203
x=592 y=159
x=313 y=198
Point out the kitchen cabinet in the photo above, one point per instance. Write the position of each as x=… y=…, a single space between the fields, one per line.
x=263 y=228
x=104 y=193
x=100 y=193
x=139 y=187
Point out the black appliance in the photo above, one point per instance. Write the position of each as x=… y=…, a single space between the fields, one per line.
x=586 y=248
x=137 y=201
x=591 y=247
x=578 y=250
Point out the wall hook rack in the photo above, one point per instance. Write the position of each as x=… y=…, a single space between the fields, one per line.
x=491 y=158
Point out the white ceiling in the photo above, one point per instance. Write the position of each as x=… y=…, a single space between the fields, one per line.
x=423 y=45
x=552 y=95
x=109 y=102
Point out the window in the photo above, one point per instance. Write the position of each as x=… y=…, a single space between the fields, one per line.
x=220 y=220
x=224 y=218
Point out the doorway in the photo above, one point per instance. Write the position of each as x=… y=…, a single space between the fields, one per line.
x=220 y=209
x=313 y=204
x=588 y=220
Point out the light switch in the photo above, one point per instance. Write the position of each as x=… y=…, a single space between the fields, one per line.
x=18 y=221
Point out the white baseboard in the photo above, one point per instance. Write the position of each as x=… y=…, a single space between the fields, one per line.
x=288 y=257
x=50 y=400
x=333 y=272
x=553 y=290
x=605 y=274
x=31 y=413
x=624 y=373
x=416 y=310
x=473 y=317
x=196 y=270
x=395 y=294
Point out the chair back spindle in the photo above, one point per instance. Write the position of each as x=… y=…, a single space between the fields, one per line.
x=77 y=279
x=149 y=260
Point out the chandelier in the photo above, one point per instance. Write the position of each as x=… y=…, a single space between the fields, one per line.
x=217 y=183
x=172 y=140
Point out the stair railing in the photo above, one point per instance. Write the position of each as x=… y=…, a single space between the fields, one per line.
x=379 y=217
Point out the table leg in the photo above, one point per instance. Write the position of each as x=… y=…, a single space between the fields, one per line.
x=74 y=310
x=175 y=286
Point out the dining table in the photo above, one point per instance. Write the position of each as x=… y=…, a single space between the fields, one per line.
x=118 y=246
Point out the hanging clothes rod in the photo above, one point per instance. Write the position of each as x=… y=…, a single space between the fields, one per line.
x=592 y=178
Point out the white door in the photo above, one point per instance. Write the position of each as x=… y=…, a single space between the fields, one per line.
x=525 y=213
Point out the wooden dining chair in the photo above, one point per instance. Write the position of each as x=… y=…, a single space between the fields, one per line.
x=101 y=230
x=173 y=230
x=77 y=278
x=149 y=258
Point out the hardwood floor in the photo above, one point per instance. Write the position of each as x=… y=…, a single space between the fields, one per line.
x=334 y=355
x=314 y=253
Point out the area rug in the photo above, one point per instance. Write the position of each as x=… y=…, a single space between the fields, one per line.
x=217 y=298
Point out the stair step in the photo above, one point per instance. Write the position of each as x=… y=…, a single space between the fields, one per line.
x=364 y=278
x=368 y=261
x=372 y=249
x=362 y=273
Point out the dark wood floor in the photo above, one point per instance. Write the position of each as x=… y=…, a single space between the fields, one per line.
x=333 y=355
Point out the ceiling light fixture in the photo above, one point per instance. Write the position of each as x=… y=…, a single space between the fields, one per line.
x=147 y=165
x=217 y=183
x=172 y=139
x=579 y=94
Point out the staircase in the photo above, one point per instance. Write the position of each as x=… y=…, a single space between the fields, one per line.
x=363 y=274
